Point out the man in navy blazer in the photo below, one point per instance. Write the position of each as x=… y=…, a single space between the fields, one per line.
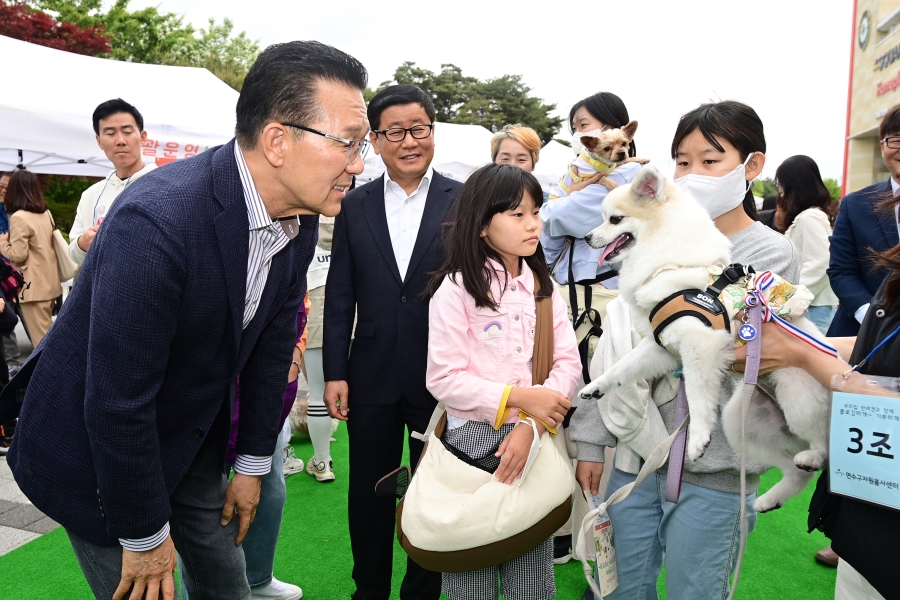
x=194 y=278
x=387 y=241
x=860 y=230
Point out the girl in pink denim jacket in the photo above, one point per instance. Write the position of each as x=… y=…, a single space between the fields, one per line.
x=480 y=346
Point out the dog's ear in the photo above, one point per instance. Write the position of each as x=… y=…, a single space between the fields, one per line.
x=649 y=184
x=630 y=129
x=590 y=143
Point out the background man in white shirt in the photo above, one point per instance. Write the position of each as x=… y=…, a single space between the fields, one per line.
x=387 y=239
x=120 y=132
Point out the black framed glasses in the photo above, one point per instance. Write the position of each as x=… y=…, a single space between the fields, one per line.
x=892 y=142
x=398 y=134
x=355 y=148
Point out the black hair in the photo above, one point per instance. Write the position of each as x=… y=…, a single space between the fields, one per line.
x=490 y=190
x=770 y=202
x=282 y=86
x=396 y=95
x=731 y=121
x=607 y=108
x=890 y=123
x=802 y=187
x=111 y=107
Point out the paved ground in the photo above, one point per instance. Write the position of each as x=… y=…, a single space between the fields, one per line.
x=20 y=521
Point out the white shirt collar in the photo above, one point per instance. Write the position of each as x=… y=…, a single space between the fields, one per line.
x=116 y=180
x=895 y=187
x=426 y=180
x=256 y=210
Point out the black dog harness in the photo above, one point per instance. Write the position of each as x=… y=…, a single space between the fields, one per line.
x=700 y=304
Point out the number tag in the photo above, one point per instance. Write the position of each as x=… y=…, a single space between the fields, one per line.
x=605 y=574
x=864 y=439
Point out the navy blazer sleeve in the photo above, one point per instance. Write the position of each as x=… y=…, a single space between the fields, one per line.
x=128 y=351
x=340 y=304
x=845 y=267
x=264 y=379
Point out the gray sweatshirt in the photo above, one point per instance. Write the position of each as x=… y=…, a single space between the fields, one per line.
x=719 y=467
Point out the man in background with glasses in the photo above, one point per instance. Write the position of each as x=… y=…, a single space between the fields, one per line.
x=859 y=231
x=193 y=281
x=387 y=239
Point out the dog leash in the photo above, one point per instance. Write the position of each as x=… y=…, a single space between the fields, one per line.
x=676 y=456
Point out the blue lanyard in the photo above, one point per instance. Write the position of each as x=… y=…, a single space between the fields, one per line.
x=876 y=349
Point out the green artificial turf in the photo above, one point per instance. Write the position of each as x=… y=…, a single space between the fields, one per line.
x=314 y=550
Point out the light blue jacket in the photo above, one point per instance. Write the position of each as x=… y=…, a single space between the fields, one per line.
x=576 y=215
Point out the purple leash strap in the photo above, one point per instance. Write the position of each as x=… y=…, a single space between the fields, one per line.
x=676 y=454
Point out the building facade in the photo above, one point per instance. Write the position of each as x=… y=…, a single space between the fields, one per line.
x=874 y=88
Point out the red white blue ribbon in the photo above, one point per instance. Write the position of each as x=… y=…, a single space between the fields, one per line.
x=763 y=282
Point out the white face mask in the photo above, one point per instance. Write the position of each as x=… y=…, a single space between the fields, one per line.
x=718 y=195
x=576 y=138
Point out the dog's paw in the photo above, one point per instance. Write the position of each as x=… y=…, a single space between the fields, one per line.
x=810 y=460
x=602 y=384
x=767 y=502
x=643 y=161
x=608 y=183
x=697 y=444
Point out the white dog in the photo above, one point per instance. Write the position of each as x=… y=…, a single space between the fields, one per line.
x=652 y=223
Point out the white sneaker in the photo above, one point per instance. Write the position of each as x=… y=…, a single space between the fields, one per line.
x=292 y=464
x=277 y=590
x=320 y=470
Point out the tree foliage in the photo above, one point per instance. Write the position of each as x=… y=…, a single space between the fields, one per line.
x=834 y=188
x=20 y=22
x=492 y=103
x=151 y=36
x=765 y=187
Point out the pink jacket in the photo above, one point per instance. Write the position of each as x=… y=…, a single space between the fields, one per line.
x=474 y=353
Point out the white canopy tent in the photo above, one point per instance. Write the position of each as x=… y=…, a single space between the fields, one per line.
x=48 y=97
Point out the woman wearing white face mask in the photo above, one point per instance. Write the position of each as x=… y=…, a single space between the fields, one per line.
x=718 y=149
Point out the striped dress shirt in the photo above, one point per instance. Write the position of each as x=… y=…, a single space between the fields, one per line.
x=267 y=238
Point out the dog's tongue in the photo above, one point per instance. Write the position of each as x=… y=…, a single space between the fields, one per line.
x=611 y=247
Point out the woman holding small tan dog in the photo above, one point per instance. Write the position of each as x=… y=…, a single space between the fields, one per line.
x=718 y=148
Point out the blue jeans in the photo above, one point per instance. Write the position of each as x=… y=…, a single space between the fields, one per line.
x=699 y=537
x=262 y=537
x=821 y=316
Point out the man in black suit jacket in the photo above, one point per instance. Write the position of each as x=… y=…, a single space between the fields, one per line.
x=387 y=240
x=859 y=231
x=194 y=278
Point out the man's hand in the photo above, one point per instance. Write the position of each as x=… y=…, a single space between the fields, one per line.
x=336 y=394
x=588 y=475
x=87 y=238
x=542 y=403
x=242 y=495
x=149 y=572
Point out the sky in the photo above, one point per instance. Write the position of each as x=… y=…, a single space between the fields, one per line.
x=788 y=59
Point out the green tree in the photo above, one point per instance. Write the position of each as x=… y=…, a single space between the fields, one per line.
x=150 y=36
x=492 y=103
x=834 y=188
x=765 y=187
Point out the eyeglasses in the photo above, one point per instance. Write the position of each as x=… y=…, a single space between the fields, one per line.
x=892 y=142
x=355 y=148
x=398 y=134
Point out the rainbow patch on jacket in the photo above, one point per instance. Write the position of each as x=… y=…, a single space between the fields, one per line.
x=493 y=325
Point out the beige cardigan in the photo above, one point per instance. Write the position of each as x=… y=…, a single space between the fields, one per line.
x=30 y=248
